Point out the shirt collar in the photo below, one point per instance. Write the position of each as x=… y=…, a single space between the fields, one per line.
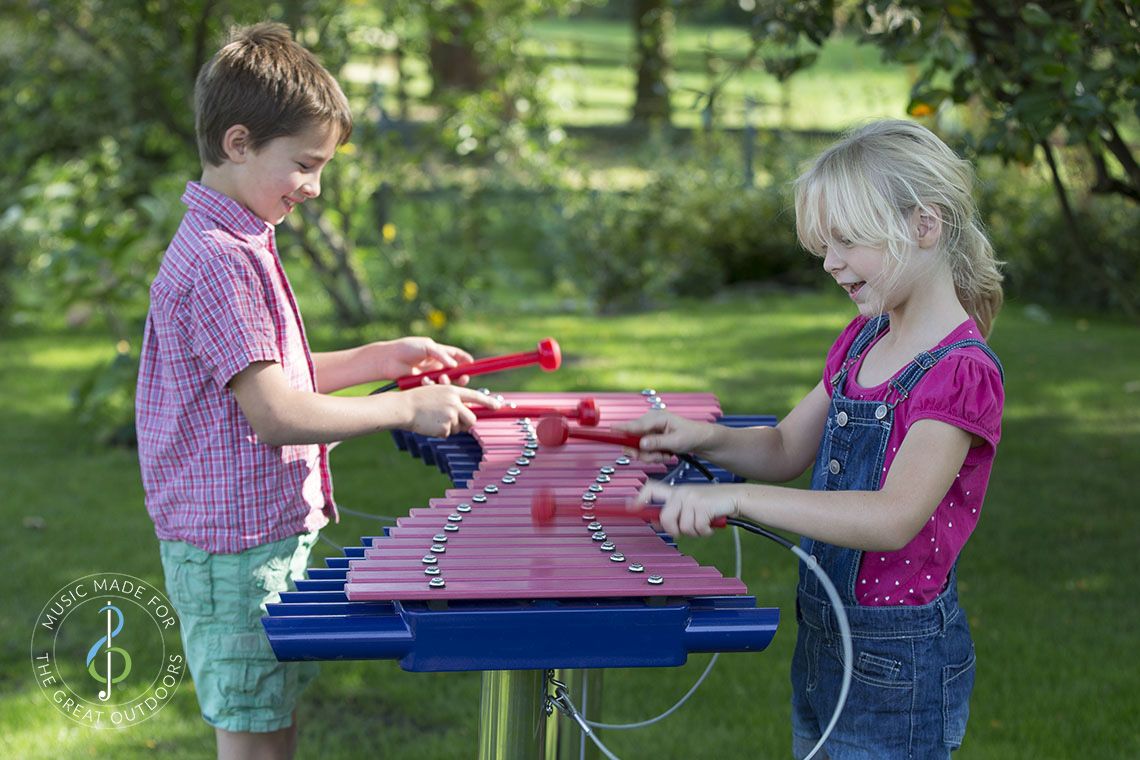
x=225 y=210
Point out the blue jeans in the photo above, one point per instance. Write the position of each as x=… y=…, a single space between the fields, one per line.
x=910 y=685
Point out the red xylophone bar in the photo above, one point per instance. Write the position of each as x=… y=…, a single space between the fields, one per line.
x=586 y=412
x=545 y=505
x=548 y=355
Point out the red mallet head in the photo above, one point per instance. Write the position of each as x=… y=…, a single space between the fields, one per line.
x=553 y=430
x=588 y=413
x=543 y=507
x=549 y=354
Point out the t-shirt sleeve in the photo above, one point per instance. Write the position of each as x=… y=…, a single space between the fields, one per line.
x=965 y=390
x=230 y=323
x=838 y=351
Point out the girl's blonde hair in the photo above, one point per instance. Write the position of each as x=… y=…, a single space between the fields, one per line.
x=866 y=188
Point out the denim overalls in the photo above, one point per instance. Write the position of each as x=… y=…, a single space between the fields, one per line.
x=913 y=666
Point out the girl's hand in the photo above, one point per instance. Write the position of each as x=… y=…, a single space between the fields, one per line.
x=416 y=355
x=664 y=434
x=688 y=510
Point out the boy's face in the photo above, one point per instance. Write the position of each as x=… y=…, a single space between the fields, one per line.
x=285 y=172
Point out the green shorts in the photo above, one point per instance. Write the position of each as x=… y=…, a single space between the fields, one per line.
x=220 y=599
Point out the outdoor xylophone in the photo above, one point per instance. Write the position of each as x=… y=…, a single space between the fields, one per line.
x=477 y=580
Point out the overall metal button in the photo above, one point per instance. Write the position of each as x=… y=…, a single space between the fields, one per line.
x=841 y=419
x=880 y=411
x=833 y=466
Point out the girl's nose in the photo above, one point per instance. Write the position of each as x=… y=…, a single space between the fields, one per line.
x=312 y=189
x=831 y=262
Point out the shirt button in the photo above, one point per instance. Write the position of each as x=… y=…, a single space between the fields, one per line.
x=880 y=411
x=833 y=466
x=841 y=419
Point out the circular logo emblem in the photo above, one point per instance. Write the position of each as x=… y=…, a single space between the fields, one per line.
x=107 y=652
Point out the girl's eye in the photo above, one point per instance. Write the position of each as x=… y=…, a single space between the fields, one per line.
x=303 y=167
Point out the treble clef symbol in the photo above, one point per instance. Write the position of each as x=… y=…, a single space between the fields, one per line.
x=94 y=651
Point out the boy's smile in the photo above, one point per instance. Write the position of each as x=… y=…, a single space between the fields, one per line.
x=278 y=177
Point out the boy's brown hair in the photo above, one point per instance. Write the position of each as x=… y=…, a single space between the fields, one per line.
x=266 y=81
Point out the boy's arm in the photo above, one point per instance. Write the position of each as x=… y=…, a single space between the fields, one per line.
x=281 y=415
x=928 y=460
x=383 y=360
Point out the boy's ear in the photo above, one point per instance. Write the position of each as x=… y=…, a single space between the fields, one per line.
x=235 y=143
x=929 y=227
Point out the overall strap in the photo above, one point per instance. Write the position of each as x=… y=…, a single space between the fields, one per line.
x=867 y=334
x=921 y=364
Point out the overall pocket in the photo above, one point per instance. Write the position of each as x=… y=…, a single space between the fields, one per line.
x=957 y=683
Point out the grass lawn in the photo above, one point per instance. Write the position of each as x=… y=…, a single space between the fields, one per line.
x=1048 y=580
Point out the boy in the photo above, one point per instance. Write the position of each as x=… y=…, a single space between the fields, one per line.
x=232 y=410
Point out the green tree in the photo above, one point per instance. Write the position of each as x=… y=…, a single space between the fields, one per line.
x=652 y=28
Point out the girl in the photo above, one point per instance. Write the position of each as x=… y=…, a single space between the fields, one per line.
x=902 y=430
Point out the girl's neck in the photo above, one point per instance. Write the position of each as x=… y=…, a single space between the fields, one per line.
x=930 y=313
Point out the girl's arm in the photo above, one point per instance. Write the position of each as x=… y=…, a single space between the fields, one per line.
x=281 y=415
x=384 y=360
x=929 y=459
x=774 y=454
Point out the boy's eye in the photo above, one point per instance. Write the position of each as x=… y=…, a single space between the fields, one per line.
x=846 y=242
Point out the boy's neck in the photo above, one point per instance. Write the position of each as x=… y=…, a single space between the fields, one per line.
x=219 y=179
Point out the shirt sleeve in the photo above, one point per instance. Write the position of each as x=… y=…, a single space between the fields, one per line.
x=965 y=390
x=838 y=351
x=230 y=322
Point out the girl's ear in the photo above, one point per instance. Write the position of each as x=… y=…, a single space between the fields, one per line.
x=235 y=143
x=928 y=225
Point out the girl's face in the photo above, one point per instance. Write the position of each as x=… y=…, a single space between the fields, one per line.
x=862 y=272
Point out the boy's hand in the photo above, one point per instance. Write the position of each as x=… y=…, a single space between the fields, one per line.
x=441 y=409
x=664 y=434
x=415 y=355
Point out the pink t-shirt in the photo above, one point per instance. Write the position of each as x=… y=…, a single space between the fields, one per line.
x=963 y=389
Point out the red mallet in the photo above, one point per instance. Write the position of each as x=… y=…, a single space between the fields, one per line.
x=544 y=506
x=553 y=431
x=548 y=356
x=586 y=412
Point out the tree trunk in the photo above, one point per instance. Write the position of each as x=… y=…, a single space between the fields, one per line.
x=452 y=58
x=652 y=25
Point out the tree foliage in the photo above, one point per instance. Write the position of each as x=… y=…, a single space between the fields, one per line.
x=1042 y=73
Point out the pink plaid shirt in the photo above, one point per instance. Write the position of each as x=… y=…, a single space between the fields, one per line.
x=220 y=302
